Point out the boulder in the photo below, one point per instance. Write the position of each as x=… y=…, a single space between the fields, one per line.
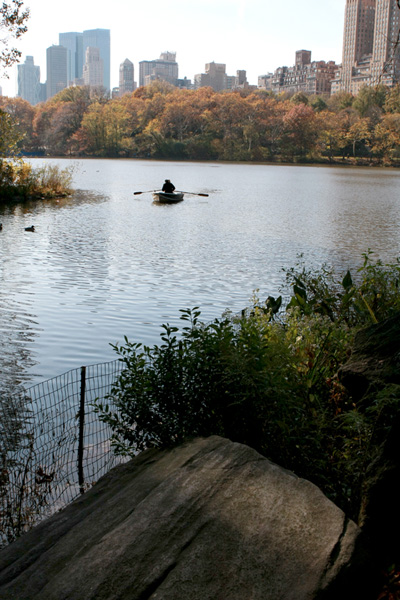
x=210 y=519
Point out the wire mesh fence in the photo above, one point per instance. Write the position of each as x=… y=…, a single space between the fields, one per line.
x=52 y=445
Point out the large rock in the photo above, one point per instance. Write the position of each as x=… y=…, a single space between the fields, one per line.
x=208 y=520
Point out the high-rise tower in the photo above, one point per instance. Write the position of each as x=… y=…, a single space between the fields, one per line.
x=73 y=42
x=126 y=77
x=57 y=72
x=370 y=53
x=99 y=38
x=385 y=64
x=93 y=69
x=29 y=81
x=358 y=37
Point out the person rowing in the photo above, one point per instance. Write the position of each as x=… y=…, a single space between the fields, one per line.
x=168 y=187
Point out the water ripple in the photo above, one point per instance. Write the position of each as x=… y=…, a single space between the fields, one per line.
x=104 y=264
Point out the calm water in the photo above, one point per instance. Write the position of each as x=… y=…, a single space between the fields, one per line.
x=105 y=263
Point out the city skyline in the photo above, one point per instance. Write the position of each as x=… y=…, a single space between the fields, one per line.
x=257 y=36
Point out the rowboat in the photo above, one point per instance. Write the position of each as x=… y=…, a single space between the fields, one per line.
x=168 y=198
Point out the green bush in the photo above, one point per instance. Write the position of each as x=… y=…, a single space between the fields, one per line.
x=267 y=378
x=372 y=295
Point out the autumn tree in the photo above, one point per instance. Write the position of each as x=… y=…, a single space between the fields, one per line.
x=358 y=136
x=9 y=137
x=104 y=130
x=21 y=115
x=392 y=102
x=42 y=127
x=332 y=138
x=300 y=130
x=385 y=140
x=12 y=25
x=13 y=20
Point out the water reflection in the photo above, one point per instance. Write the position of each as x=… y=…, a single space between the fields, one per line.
x=105 y=263
x=17 y=321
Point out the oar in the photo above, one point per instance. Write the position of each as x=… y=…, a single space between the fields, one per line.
x=147 y=192
x=194 y=194
x=150 y=191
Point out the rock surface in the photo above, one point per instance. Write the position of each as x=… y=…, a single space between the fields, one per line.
x=208 y=520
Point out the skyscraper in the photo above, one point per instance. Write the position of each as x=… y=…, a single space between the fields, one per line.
x=370 y=55
x=99 y=38
x=73 y=42
x=126 y=77
x=385 y=64
x=93 y=69
x=358 y=38
x=165 y=68
x=57 y=72
x=29 y=81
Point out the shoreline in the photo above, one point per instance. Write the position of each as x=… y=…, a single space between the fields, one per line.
x=347 y=163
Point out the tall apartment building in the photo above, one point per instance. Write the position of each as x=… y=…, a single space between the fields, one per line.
x=57 y=72
x=93 y=69
x=29 y=81
x=165 y=68
x=126 y=77
x=311 y=77
x=99 y=38
x=73 y=42
x=385 y=63
x=370 y=55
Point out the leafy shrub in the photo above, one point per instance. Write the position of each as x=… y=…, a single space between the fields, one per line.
x=207 y=381
x=373 y=295
x=267 y=378
x=19 y=179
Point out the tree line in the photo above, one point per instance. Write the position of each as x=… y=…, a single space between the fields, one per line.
x=161 y=121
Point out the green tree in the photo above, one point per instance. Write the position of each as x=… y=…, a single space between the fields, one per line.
x=318 y=104
x=340 y=101
x=370 y=98
x=299 y=98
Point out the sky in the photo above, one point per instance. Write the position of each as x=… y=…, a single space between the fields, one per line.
x=255 y=35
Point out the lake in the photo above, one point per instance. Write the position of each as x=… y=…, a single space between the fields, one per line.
x=104 y=263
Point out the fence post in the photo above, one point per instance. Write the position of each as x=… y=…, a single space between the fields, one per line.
x=81 y=430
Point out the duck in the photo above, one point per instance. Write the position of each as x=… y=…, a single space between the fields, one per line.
x=1 y=226
x=31 y=228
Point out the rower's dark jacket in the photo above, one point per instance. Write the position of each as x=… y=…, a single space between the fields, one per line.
x=168 y=187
